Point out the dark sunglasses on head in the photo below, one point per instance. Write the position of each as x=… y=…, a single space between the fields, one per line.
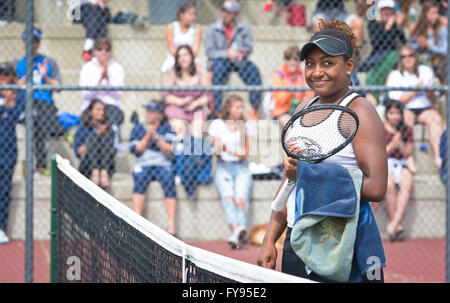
x=107 y=49
x=407 y=56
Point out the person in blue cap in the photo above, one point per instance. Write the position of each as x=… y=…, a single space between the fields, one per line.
x=11 y=106
x=152 y=143
x=329 y=63
x=46 y=121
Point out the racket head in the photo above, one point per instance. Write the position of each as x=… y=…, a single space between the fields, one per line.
x=318 y=132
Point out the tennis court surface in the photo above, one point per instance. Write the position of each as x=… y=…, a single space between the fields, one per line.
x=114 y=244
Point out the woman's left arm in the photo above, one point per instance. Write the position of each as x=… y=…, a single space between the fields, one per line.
x=369 y=146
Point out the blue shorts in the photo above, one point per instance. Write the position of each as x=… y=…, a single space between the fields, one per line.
x=164 y=174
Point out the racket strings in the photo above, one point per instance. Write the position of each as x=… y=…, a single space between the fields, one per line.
x=316 y=133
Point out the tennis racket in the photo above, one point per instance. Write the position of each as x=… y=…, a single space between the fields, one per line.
x=314 y=134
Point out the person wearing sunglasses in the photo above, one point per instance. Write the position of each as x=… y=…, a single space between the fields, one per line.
x=46 y=120
x=288 y=75
x=419 y=105
x=103 y=70
x=11 y=106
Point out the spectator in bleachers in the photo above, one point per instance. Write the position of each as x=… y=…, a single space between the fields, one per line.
x=443 y=7
x=385 y=38
x=399 y=146
x=186 y=112
x=429 y=37
x=103 y=70
x=151 y=143
x=11 y=106
x=289 y=74
x=233 y=179
x=46 y=121
x=190 y=106
x=228 y=44
x=184 y=31
x=419 y=105
x=94 y=15
x=95 y=144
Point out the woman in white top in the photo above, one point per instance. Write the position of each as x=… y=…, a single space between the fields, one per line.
x=184 y=31
x=419 y=105
x=233 y=179
x=329 y=64
x=103 y=70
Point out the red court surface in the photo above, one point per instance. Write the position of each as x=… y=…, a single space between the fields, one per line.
x=409 y=261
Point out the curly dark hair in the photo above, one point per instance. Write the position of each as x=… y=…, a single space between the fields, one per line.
x=338 y=29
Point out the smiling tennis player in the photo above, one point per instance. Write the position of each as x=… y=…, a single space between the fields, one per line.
x=329 y=63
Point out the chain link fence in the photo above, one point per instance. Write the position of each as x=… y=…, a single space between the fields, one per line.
x=98 y=64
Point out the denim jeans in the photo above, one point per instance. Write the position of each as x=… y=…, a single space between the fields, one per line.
x=247 y=71
x=233 y=181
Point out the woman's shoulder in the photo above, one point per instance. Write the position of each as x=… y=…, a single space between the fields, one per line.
x=171 y=26
x=363 y=108
x=425 y=68
x=392 y=76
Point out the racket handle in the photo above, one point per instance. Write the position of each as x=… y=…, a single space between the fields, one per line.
x=283 y=195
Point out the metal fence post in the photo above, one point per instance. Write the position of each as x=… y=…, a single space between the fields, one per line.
x=29 y=144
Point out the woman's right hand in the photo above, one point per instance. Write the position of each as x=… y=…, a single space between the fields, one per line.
x=267 y=257
x=290 y=168
x=101 y=128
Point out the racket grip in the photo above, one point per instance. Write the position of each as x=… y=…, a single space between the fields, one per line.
x=283 y=195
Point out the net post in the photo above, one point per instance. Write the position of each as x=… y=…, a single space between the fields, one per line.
x=53 y=208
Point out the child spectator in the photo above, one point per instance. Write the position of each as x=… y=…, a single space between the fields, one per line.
x=11 y=106
x=289 y=74
x=152 y=145
x=228 y=44
x=399 y=146
x=184 y=31
x=103 y=70
x=186 y=111
x=419 y=105
x=46 y=121
x=429 y=37
x=233 y=178
x=95 y=142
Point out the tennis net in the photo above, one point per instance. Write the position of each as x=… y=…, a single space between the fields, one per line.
x=96 y=238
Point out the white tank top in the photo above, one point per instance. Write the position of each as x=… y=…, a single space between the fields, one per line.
x=179 y=38
x=345 y=157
